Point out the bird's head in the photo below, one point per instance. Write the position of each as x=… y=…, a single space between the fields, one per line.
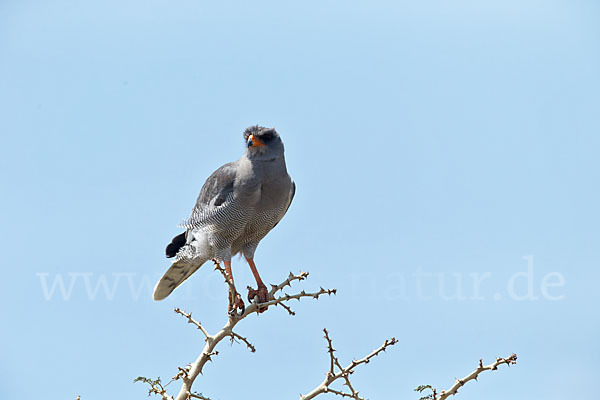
x=263 y=143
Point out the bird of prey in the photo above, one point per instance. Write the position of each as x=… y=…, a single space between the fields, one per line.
x=237 y=206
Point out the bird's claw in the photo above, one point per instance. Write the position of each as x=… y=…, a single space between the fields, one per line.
x=261 y=295
x=235 y=303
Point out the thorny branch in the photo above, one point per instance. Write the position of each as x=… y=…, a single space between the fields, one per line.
x=344 y=372
x=335 y=372
x=444 y=394
x=192 y=321
x=243 y=339
x=189 y=374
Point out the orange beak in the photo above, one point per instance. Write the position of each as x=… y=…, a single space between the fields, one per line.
x=253 y=141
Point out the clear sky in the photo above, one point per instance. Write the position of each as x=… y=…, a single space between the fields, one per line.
x=446 y=161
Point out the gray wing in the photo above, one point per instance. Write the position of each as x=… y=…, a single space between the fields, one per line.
x=292 y=193
x=216 y=193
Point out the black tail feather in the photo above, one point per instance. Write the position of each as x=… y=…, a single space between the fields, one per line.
x=177 y=243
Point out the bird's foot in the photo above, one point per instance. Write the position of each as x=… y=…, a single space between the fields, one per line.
x=261 y=295
x=235 y=303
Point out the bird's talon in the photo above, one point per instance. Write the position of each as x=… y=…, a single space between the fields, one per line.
x=260 y=295
x=235 y=303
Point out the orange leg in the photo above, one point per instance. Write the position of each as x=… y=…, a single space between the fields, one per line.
x=235 y=300
x=228 y=271
x=261 y=293
x=259 y=281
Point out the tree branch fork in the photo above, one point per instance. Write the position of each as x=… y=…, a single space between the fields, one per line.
x=189 y=374
x=336 y=372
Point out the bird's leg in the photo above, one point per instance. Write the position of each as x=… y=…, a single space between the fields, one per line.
x=261 y=293
x=235 y=300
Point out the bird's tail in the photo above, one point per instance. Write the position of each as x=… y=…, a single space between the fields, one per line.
x=180 y=270
x=177 y=243
x=189 y=257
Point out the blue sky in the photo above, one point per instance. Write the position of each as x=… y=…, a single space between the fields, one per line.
x=434 y=145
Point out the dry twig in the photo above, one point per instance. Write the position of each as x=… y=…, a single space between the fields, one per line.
x=343 y=372
x=444 y=394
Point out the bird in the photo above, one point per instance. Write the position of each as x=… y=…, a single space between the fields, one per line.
x=238 y=205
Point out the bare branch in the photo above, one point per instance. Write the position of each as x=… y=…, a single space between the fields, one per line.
x=243 y=339
x=192 y=321
x=286 y=308
x=353 y=392
x=337 y=392
x=288 y=282
x=444 y=394
x=222 y=271
x=189 y=374
x=287 y=297
x=333 y=360
x=512 y=359
x=344 y=372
